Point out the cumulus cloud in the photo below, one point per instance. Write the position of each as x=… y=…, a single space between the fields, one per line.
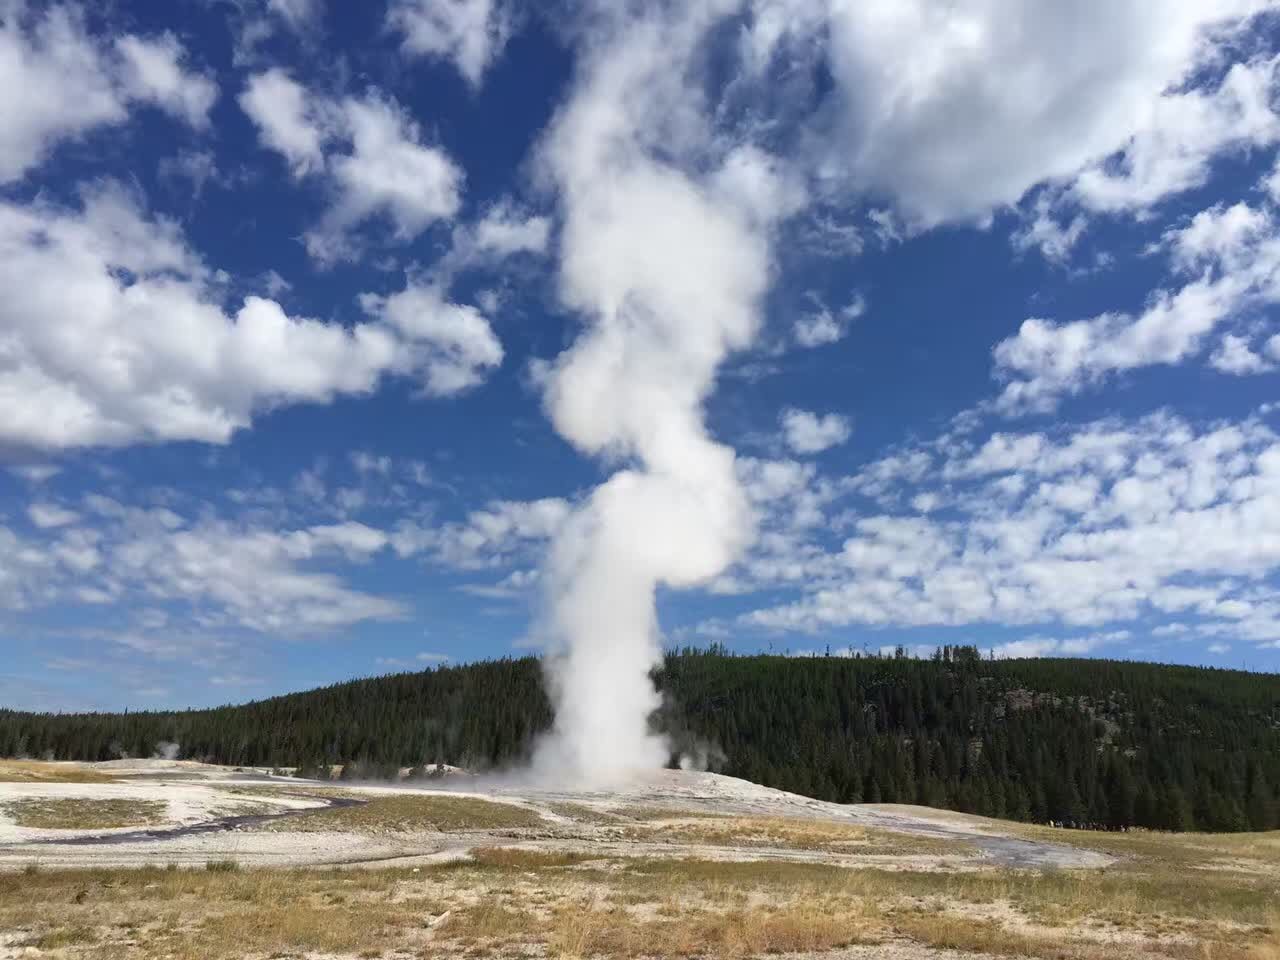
x=199 y=579
x=516 y=584
x=153 y=72
x=209 y=573
x=370 y=153
x=918 y=118
x=451 y=345
x=46 y=515
x=504 y=231
x=1041 y=231
x=806 y=432
x=490 y=537
x=289 y=120
x=25 y=572
x=1177 y=138
x=1234 y=355
x=822 y=326
x=1105 y=523
x=300 y=15
x=169 y=363
x=470 y=33
x=1231 y=256
x=35 y=472
x=1057 y=646
x=249 y=578
x=58 y=82
x=416 y=662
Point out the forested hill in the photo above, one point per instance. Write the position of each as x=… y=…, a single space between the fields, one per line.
x=1089 y=742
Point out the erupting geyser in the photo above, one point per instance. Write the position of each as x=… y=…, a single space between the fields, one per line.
x=668 y=269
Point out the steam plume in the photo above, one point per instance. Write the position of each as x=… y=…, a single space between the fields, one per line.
x=667 y=268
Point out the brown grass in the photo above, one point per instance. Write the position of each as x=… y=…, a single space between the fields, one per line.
x=412 y=812
x=1173 y=849
x=509 y=900
x=75 y=813
x=1161 y=900
x=517 y=859
x=668 y=813
x=584 y=814
x=40 y=771
x=796 y=834
x=213 y=914
x=1155 y=846
x=585 y=929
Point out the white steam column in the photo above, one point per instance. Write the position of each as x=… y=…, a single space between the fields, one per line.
x=667 y=269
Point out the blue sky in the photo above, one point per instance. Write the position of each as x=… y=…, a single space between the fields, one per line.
x=321 y=322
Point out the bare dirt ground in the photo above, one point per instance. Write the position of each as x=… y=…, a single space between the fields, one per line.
x=179 y=860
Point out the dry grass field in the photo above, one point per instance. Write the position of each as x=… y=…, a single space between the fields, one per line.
x=509 y=902
x=76 y=813
x=36 y=771
x=412 y=812
x=602 y=877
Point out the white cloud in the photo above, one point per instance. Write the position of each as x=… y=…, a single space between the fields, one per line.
x=1000 y=453
x=254 y=22
x=1218 y=649
x=926 y=502
x=153 y=71
x=46 y=515
x=1057 y=647
x=1235 y=356
x=821 y=326
x=209 y=573
x=388 y=172
x=365 y=462
x=169 y=363
x=370 y=152
x=57 y=82
x=1108 y=522
x=248 y=578
x=289 y=120
x=921 y=121
x=25 y=573
x=1171 y=149
x=827 y=236
x=417 y=660
x=355 y=540
x=1232 y=255
x=197 y=167
x=806 y=432
x=504 y=232
x=471 y=33
x=518 y=583
x=452 y=346
x=1044 y=233
x=36 y=472
x=300 y=15
x=490 y=537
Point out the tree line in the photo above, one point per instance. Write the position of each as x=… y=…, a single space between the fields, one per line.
x=1090 y=743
